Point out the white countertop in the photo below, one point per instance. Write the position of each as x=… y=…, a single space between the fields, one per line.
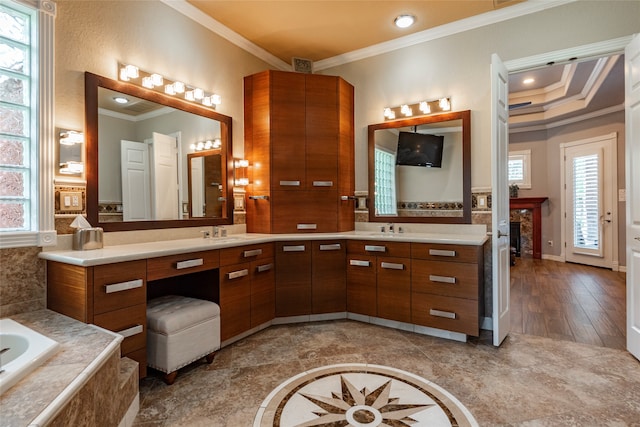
x=135 y=251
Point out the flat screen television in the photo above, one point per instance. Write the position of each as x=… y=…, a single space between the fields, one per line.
x=418 y=149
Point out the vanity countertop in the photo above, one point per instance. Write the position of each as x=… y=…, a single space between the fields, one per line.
x=38 y=397
x=135 y=251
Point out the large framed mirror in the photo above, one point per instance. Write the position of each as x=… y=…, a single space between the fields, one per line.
x=420 y=169
x=139 y=154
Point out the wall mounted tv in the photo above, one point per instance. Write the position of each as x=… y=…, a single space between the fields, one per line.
x=418 y=149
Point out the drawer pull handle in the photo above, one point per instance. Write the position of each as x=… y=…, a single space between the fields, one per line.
x=129 y=332
x=323 y=183
x=290 y=183
x=123 y=286
x=359 y=263
x=442 y=279
x=440 y=313
x=374 y=248
x=441 y=252
x=392 y=265
x=297 y=248
x=237 y=274
x=189 y=263
x=258 y=197
x=253 y=252
x=263 y=268
x=331 y=247
x=307 y=226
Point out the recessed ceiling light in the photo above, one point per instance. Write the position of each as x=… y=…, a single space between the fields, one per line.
x=528 y=81
x=404 y=21
x=120 y=99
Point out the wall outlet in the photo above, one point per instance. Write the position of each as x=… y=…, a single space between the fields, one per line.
x=550 y=242
x=482 y=201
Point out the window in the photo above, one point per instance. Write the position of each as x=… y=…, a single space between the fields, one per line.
x=26 y=140
x=385 y=164
x=520 y=168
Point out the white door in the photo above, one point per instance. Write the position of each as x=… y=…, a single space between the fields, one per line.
x=632 y=131
x=165 y=203
x=500 y=199
x=197 y=187
x=136 y=193
x=590 y=178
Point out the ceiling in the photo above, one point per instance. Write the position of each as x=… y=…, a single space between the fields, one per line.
x=566 y=93
x=330 y=32
x=321 y=29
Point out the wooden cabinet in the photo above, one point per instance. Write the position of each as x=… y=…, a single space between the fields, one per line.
x=293 y=278
x=299 y=140
x=310 y=277
x=447 y=286
x=112 y=296
x=247 y=288
x=379 y=279
x=328 y=277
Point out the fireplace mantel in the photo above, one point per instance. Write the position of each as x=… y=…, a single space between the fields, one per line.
x=534 y=204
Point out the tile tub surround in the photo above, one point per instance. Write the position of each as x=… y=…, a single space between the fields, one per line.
x=527 y=381
x=84 y=381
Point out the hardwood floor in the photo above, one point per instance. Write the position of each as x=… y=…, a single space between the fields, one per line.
x=570 y=302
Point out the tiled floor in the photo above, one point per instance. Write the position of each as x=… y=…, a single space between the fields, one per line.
x=528 y=381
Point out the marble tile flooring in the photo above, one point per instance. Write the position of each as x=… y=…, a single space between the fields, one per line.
x=528 y=381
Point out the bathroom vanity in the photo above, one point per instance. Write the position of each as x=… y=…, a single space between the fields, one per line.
x=423 y=282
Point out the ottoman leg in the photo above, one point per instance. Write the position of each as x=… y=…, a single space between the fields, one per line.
x=209 y=357
x=170 y=377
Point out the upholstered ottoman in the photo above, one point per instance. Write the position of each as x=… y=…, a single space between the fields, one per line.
x=181 y=330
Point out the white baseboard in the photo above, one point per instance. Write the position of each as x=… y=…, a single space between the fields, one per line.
x=557 y=258
x=487 y=324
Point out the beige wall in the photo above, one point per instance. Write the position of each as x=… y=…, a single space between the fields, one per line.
x=95 y=35
x=545 y=177
x=459 y=66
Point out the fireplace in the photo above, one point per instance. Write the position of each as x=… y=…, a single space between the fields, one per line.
x=514 y=234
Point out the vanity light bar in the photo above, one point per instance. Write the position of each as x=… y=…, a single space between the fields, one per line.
x=421 y=108
x=206 y=145
x=157 y=82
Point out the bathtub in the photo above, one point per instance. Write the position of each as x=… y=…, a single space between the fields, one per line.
x=22 y=350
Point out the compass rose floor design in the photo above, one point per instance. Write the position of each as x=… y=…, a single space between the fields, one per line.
x=360 y=395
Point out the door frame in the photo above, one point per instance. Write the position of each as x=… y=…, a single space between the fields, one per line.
x=615 y=261
x=593 y=50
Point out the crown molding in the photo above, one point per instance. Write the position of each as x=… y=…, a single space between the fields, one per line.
x=215 y=26
x=571 y=120
x=462 y=25
x=456 y=27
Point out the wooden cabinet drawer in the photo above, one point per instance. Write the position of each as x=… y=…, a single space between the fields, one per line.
x=176 y=265
x=119 y=285
x=240 y=254
x=444 y=252
x=306 y=211
x=452 y=279
x=452 y=314
x=380 y=248
x=130 y=321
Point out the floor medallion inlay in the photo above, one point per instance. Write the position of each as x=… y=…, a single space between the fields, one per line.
x=360 y=395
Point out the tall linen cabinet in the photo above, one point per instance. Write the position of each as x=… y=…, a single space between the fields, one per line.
x=299 y=140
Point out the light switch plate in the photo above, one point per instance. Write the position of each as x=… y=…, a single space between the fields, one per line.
x=71 y=201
